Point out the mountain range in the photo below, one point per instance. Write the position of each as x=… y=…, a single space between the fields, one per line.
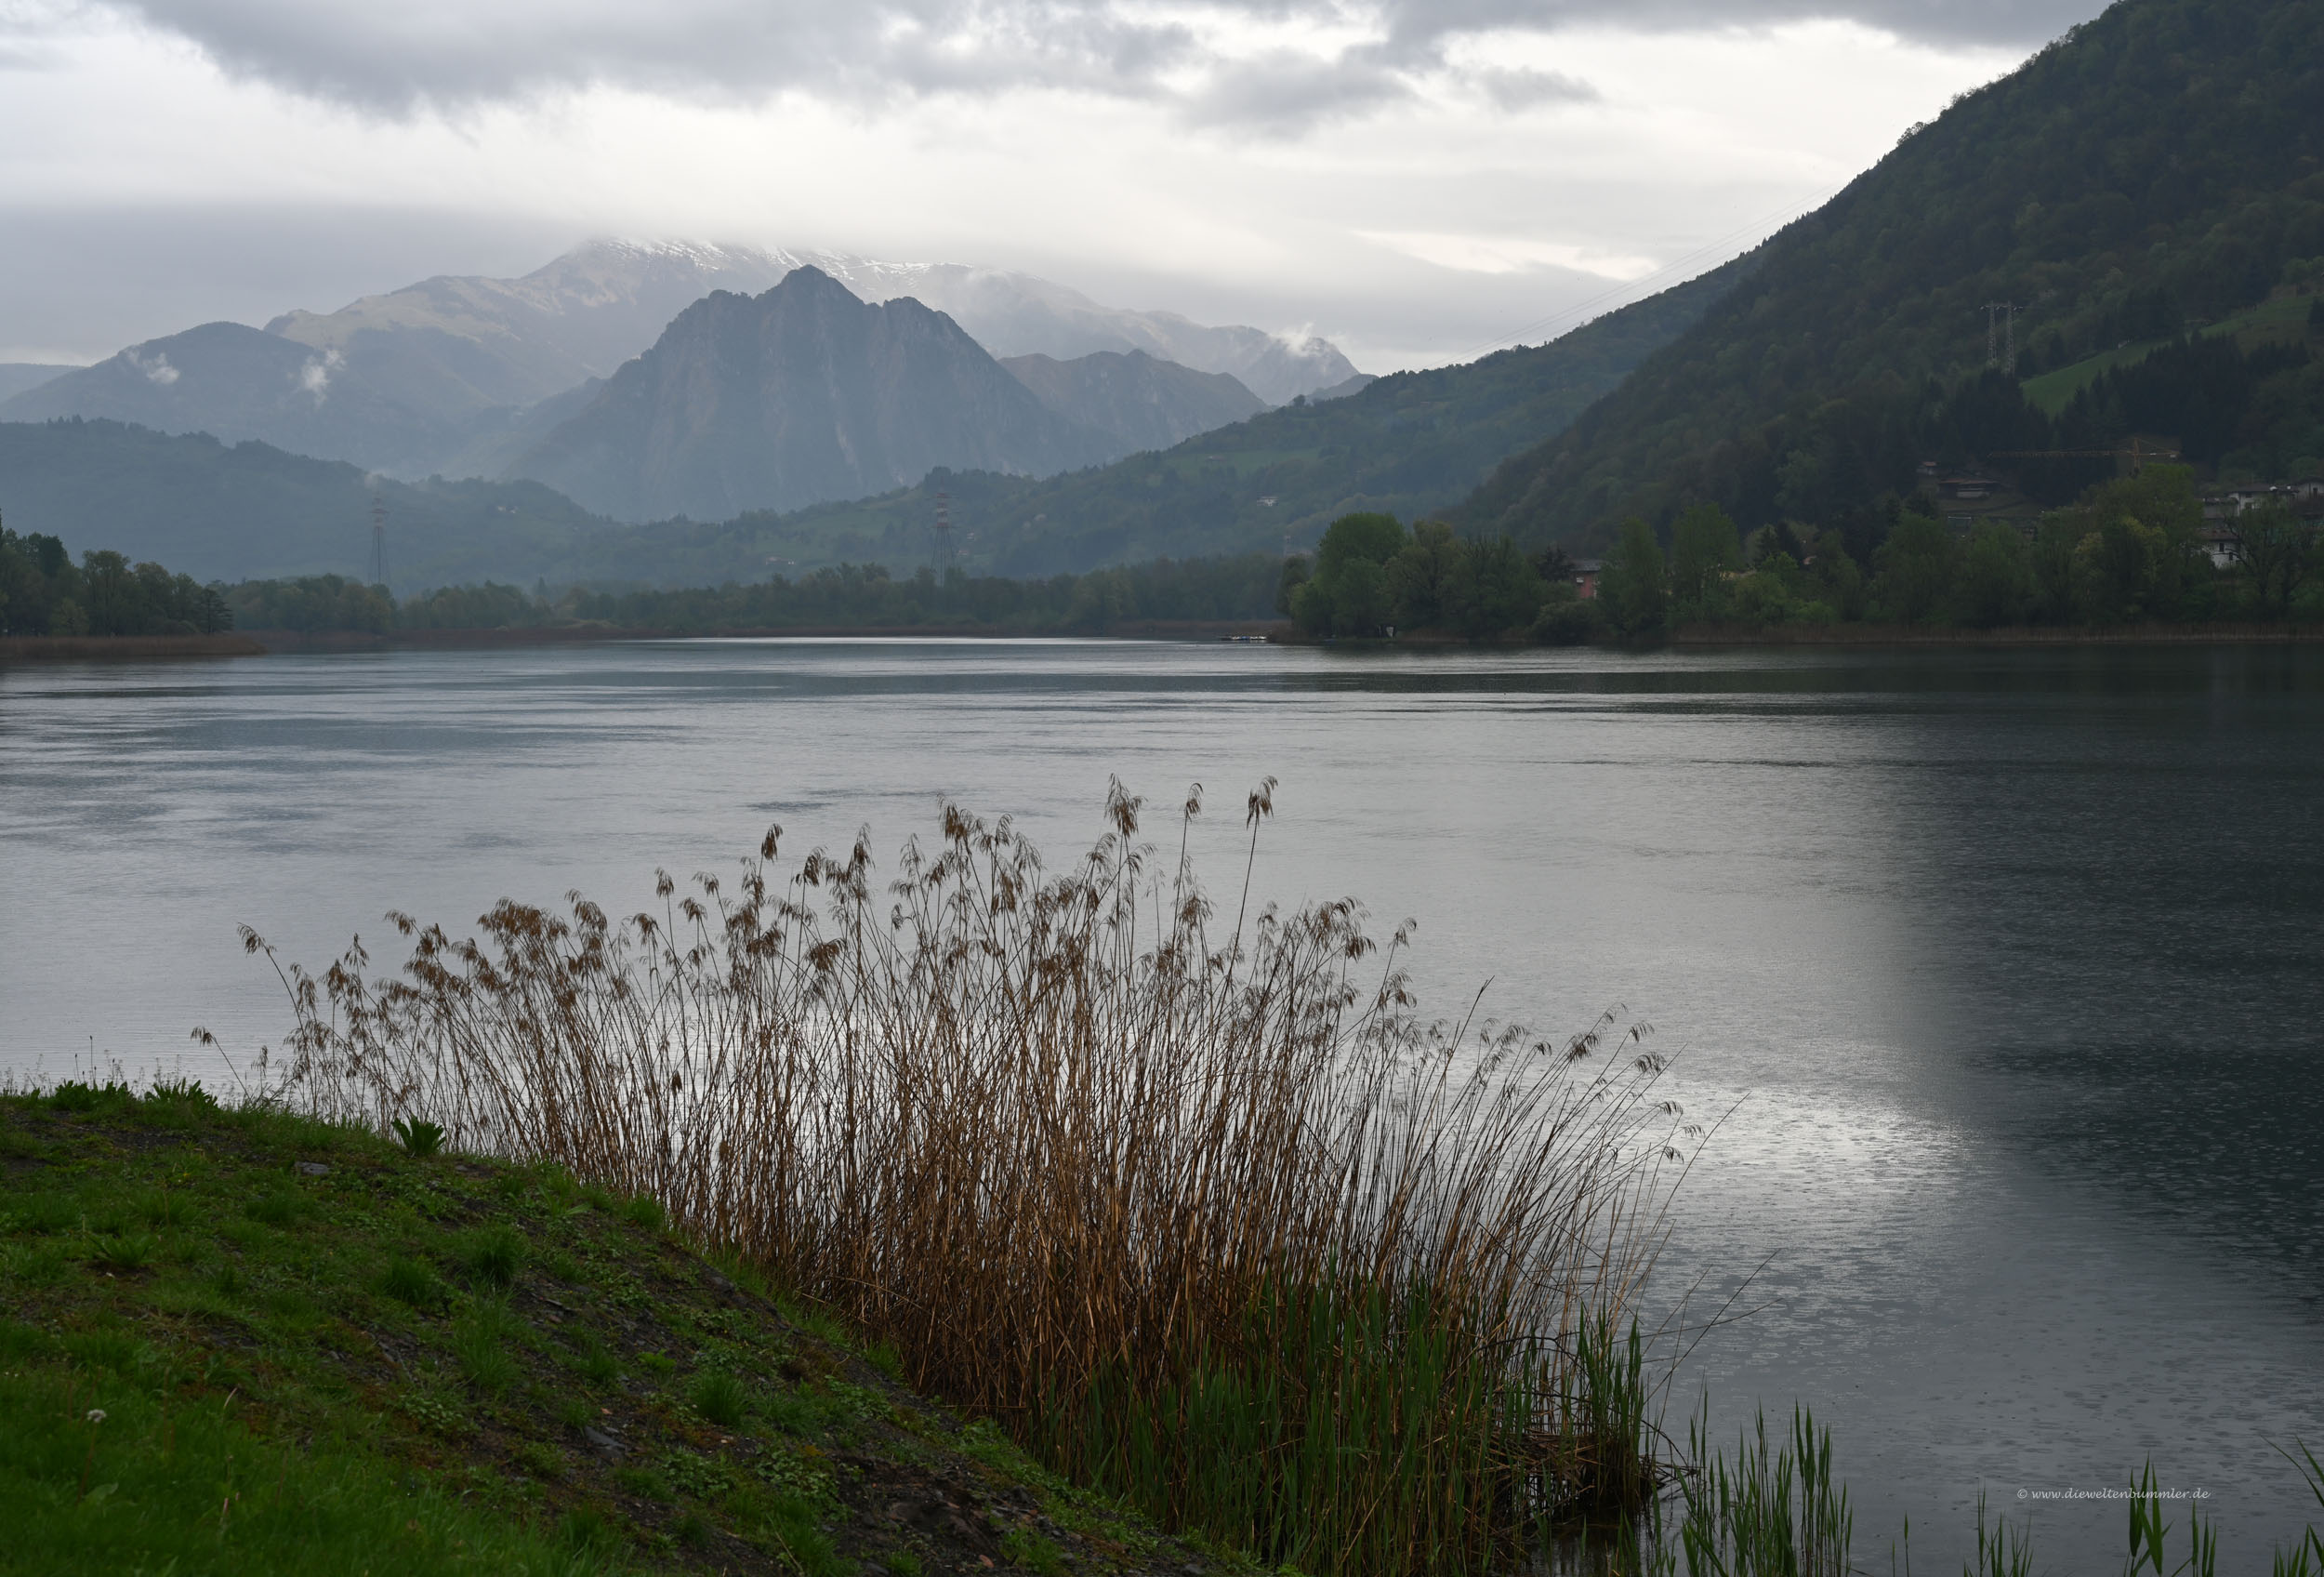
x=463 y=375
x=1411 y=441
x=802 y=394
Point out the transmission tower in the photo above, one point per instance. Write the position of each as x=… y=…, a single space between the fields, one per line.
x=379 y=540
x=2001 y=335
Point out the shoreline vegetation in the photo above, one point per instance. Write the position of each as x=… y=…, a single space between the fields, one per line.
x=592 y=1244
x=2133 y=562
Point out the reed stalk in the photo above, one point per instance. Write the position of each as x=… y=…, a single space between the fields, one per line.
x=1213 y=1219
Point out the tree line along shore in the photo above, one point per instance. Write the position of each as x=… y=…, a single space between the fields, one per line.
x=2135 y=558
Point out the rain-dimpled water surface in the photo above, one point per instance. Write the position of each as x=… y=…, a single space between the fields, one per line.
x=2000 y=972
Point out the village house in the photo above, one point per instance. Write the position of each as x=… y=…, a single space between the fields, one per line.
x=2223 y=540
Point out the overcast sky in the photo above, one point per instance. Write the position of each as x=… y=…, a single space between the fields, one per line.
x=1417 y=182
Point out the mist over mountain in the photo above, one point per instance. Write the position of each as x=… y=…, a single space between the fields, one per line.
x=469 y=342
x=442 y=377
x=1138 y=402
x=1017 y=314
x=453 y=376
x=584 y=313
x=798 y=395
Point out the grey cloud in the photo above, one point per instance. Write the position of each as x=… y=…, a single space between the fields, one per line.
x=1418 y=27
x=1287 y=93
x=1521 y=90
x=393 y=58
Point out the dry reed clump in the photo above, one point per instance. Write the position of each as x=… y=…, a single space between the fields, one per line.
x=1214 y=1223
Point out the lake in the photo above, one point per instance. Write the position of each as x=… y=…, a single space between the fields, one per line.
x=2005 y=968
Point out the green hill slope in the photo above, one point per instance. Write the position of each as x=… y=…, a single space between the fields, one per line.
x=2152 y=173
x=240 y=1341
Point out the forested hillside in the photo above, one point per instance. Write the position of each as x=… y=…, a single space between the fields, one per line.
x=2153 y=176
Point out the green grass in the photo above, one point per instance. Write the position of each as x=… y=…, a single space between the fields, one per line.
x=167 y=1482
x=2284 y=318
x=719 y=1398
x=405 y=1279
x=493 y=1257
x=405 y=1364
x=2053 y=391
x=1030 y=1550
x=481 y=1342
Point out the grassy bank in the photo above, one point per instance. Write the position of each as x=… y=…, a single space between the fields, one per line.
x=243 y=1340
x=247 y=1342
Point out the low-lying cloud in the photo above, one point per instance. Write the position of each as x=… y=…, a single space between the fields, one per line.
x=158 y=371
x=314 y=375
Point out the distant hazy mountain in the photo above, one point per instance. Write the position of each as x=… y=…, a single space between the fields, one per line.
x=467 y=341
x=582 y=316
x=1016 y=314
x=450 y=376
x=236 y=383
x=802 y=394
x=1137 y=401
x=16 y=377
x=495 y=447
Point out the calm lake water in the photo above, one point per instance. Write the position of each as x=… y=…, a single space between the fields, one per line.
x=2008 y=965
